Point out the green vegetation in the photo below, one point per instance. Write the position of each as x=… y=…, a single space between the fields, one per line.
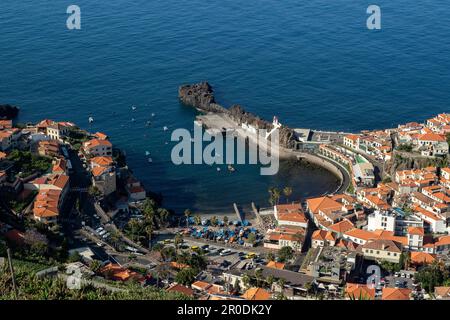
x=433 y=275
x=28 y=163
x=154 y=218
x=405 y=147
x=287 y=192
x=19 y=205
x=185 y=276
x=251 y=238
x=350 y=189
x=387 y=180
x=285 y=254
x=76 y=136
x=32 y=288
x=275 y=195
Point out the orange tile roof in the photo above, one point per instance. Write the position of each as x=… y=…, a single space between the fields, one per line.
x=443 y=241
x=432 y=137
x=60 y=181
x=200 y=285
x=323 y=235
x=359 y=291
x=101 y=135
x=275 y=265
x=420 y=257
x=360 y=234
x=102 y=161
x=181 y=289
x=119 y=273
x=396 y=294
x=97 y=142
x=59 y=166
x=323 y=203
x=342 y=226
x=292 y=217
x=256 y=294
x=416 y=231
x=98 y=171
x=442 y=291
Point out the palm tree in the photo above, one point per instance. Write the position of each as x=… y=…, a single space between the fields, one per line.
x=225 y=220
x=178 y=240
x=187 y=214
x=258 y=277
x=115 y=238
x=270 y=280
x=149 y=233
x=95 y=266
x=149 y=209
x=214 y=221
x=246 y=281
x=274 y=195
x=287 y=191
x=198 y=220
x=281 y=283
x=163 y=214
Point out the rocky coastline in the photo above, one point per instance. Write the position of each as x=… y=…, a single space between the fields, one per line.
x=201 y=97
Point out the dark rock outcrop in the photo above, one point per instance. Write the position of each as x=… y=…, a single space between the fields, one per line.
x=8 y=111
x=201 y=96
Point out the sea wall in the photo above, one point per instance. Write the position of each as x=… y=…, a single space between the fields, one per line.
x=201 y=97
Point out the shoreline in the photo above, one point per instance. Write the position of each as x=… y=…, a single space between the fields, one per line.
x=236 y=119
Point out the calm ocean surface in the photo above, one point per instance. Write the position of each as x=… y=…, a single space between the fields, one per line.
x=312 y=63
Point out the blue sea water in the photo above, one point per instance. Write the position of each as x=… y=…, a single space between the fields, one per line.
x=312 y=63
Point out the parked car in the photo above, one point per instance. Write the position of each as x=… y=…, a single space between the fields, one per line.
x=226 y=252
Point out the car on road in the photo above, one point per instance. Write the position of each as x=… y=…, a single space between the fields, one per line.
x=100 y=229
x=101 y=233
x=99 y=244
x=226 y=252
x=106 y=235
x=251 y=255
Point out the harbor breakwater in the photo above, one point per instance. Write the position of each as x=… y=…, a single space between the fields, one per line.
x=201 y=97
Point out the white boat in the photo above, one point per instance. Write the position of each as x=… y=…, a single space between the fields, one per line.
x=165 y=128
x=147 y=153
x=133 y=108
x=91 y=119
x=218 y=169
x=150 y=160
x=133 y=120
x=231 y=168
x=153 y=114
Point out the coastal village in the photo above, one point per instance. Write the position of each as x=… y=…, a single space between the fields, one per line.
x=72 y=209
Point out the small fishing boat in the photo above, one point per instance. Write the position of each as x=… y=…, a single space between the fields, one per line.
x=153 y=114
x=90 y=119
x=133 y=120
x=147 y=153
x=150 y=160
x=133 y=108
x=165 y=128
x=231 y=168
x=218 y=169
x=148 y=123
